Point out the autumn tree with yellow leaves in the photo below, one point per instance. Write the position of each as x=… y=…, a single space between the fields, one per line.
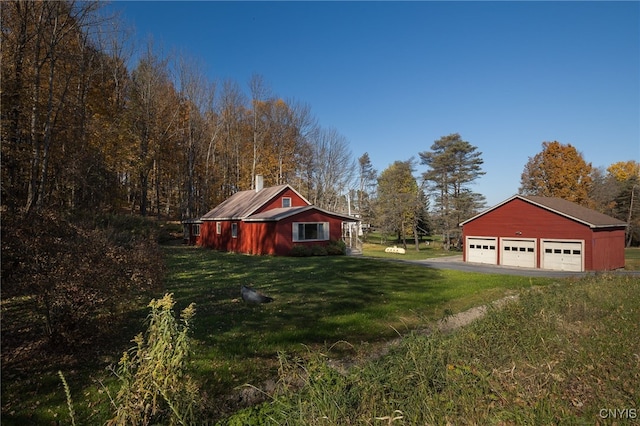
x=558 y=171
x=561 y=171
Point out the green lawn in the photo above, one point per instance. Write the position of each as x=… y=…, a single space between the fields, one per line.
x=430 y=247
x=318 y=301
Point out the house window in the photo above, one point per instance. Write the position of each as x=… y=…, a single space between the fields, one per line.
x=196 y=230
x=286 y=201
x=218 y=228
x=310 y=231
x=234 y=230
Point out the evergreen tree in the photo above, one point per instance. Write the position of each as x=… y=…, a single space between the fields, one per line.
x=367 y=177
x=453 y=165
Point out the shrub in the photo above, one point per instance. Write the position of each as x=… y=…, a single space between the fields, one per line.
x=300 y=250
x=336 y=248
x=318 y=250
x=333 y=248
x=77 y=275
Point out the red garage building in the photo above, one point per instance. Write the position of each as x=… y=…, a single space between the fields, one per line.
x=266 y=221
x=546 y=233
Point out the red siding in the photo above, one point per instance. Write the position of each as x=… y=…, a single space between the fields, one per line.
x=265 y=237
x=604 y=249
x=284 y=231
x=222 y=241
x=296 y=201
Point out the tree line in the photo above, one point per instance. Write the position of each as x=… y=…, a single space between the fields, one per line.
x=81 y=131
x=86 y=129
x=403 y=202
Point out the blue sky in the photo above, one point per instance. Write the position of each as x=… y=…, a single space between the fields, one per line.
x=393 y=77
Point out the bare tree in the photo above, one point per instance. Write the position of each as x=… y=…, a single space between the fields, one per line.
x=155 y=109
x=259 y=94
x=232 y=113
x=197 y=93
x=333 y=168
x=43 y=83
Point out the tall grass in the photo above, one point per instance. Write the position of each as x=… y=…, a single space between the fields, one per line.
x=564 y=354
x=154 y=385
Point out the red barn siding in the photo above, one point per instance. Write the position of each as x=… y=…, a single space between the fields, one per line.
x=257 y=238
x=222 y=241
x=604 y=249
x=607 y=252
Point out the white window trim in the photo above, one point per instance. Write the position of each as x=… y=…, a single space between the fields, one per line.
x=218 y=228
x=196 y=229
x=234 y=230
x=283 y=201
x=325 y=232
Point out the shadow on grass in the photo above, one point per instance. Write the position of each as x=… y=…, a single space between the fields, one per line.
x=316 y=299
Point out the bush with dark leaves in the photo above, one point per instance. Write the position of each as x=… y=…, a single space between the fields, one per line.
x=77 y=275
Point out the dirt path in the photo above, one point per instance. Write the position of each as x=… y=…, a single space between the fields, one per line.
x=461 y=319
x=251 y=395
x=445 y=325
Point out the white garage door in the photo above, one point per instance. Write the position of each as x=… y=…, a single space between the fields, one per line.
x=482 y=250
x=563 y=255
x=520 y=253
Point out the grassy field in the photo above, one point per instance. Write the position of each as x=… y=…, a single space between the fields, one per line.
x=632 y=259
x=567 y=353
x=318 y=301
x=343 y=307
x=429 y=248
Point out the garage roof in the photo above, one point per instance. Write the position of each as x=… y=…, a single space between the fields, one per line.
x=565 y=208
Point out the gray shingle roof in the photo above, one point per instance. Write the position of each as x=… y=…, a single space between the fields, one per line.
x=244 y=203
x=277 y=214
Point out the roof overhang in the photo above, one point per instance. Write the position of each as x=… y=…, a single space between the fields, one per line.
x=278 y=214
x=195 y=220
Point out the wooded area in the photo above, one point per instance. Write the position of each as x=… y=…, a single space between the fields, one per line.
x=82 y=132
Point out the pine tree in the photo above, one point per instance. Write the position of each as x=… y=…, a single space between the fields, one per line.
x=453 y=164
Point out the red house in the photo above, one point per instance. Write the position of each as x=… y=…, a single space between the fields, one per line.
x=266 y=221
x=546 y=233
